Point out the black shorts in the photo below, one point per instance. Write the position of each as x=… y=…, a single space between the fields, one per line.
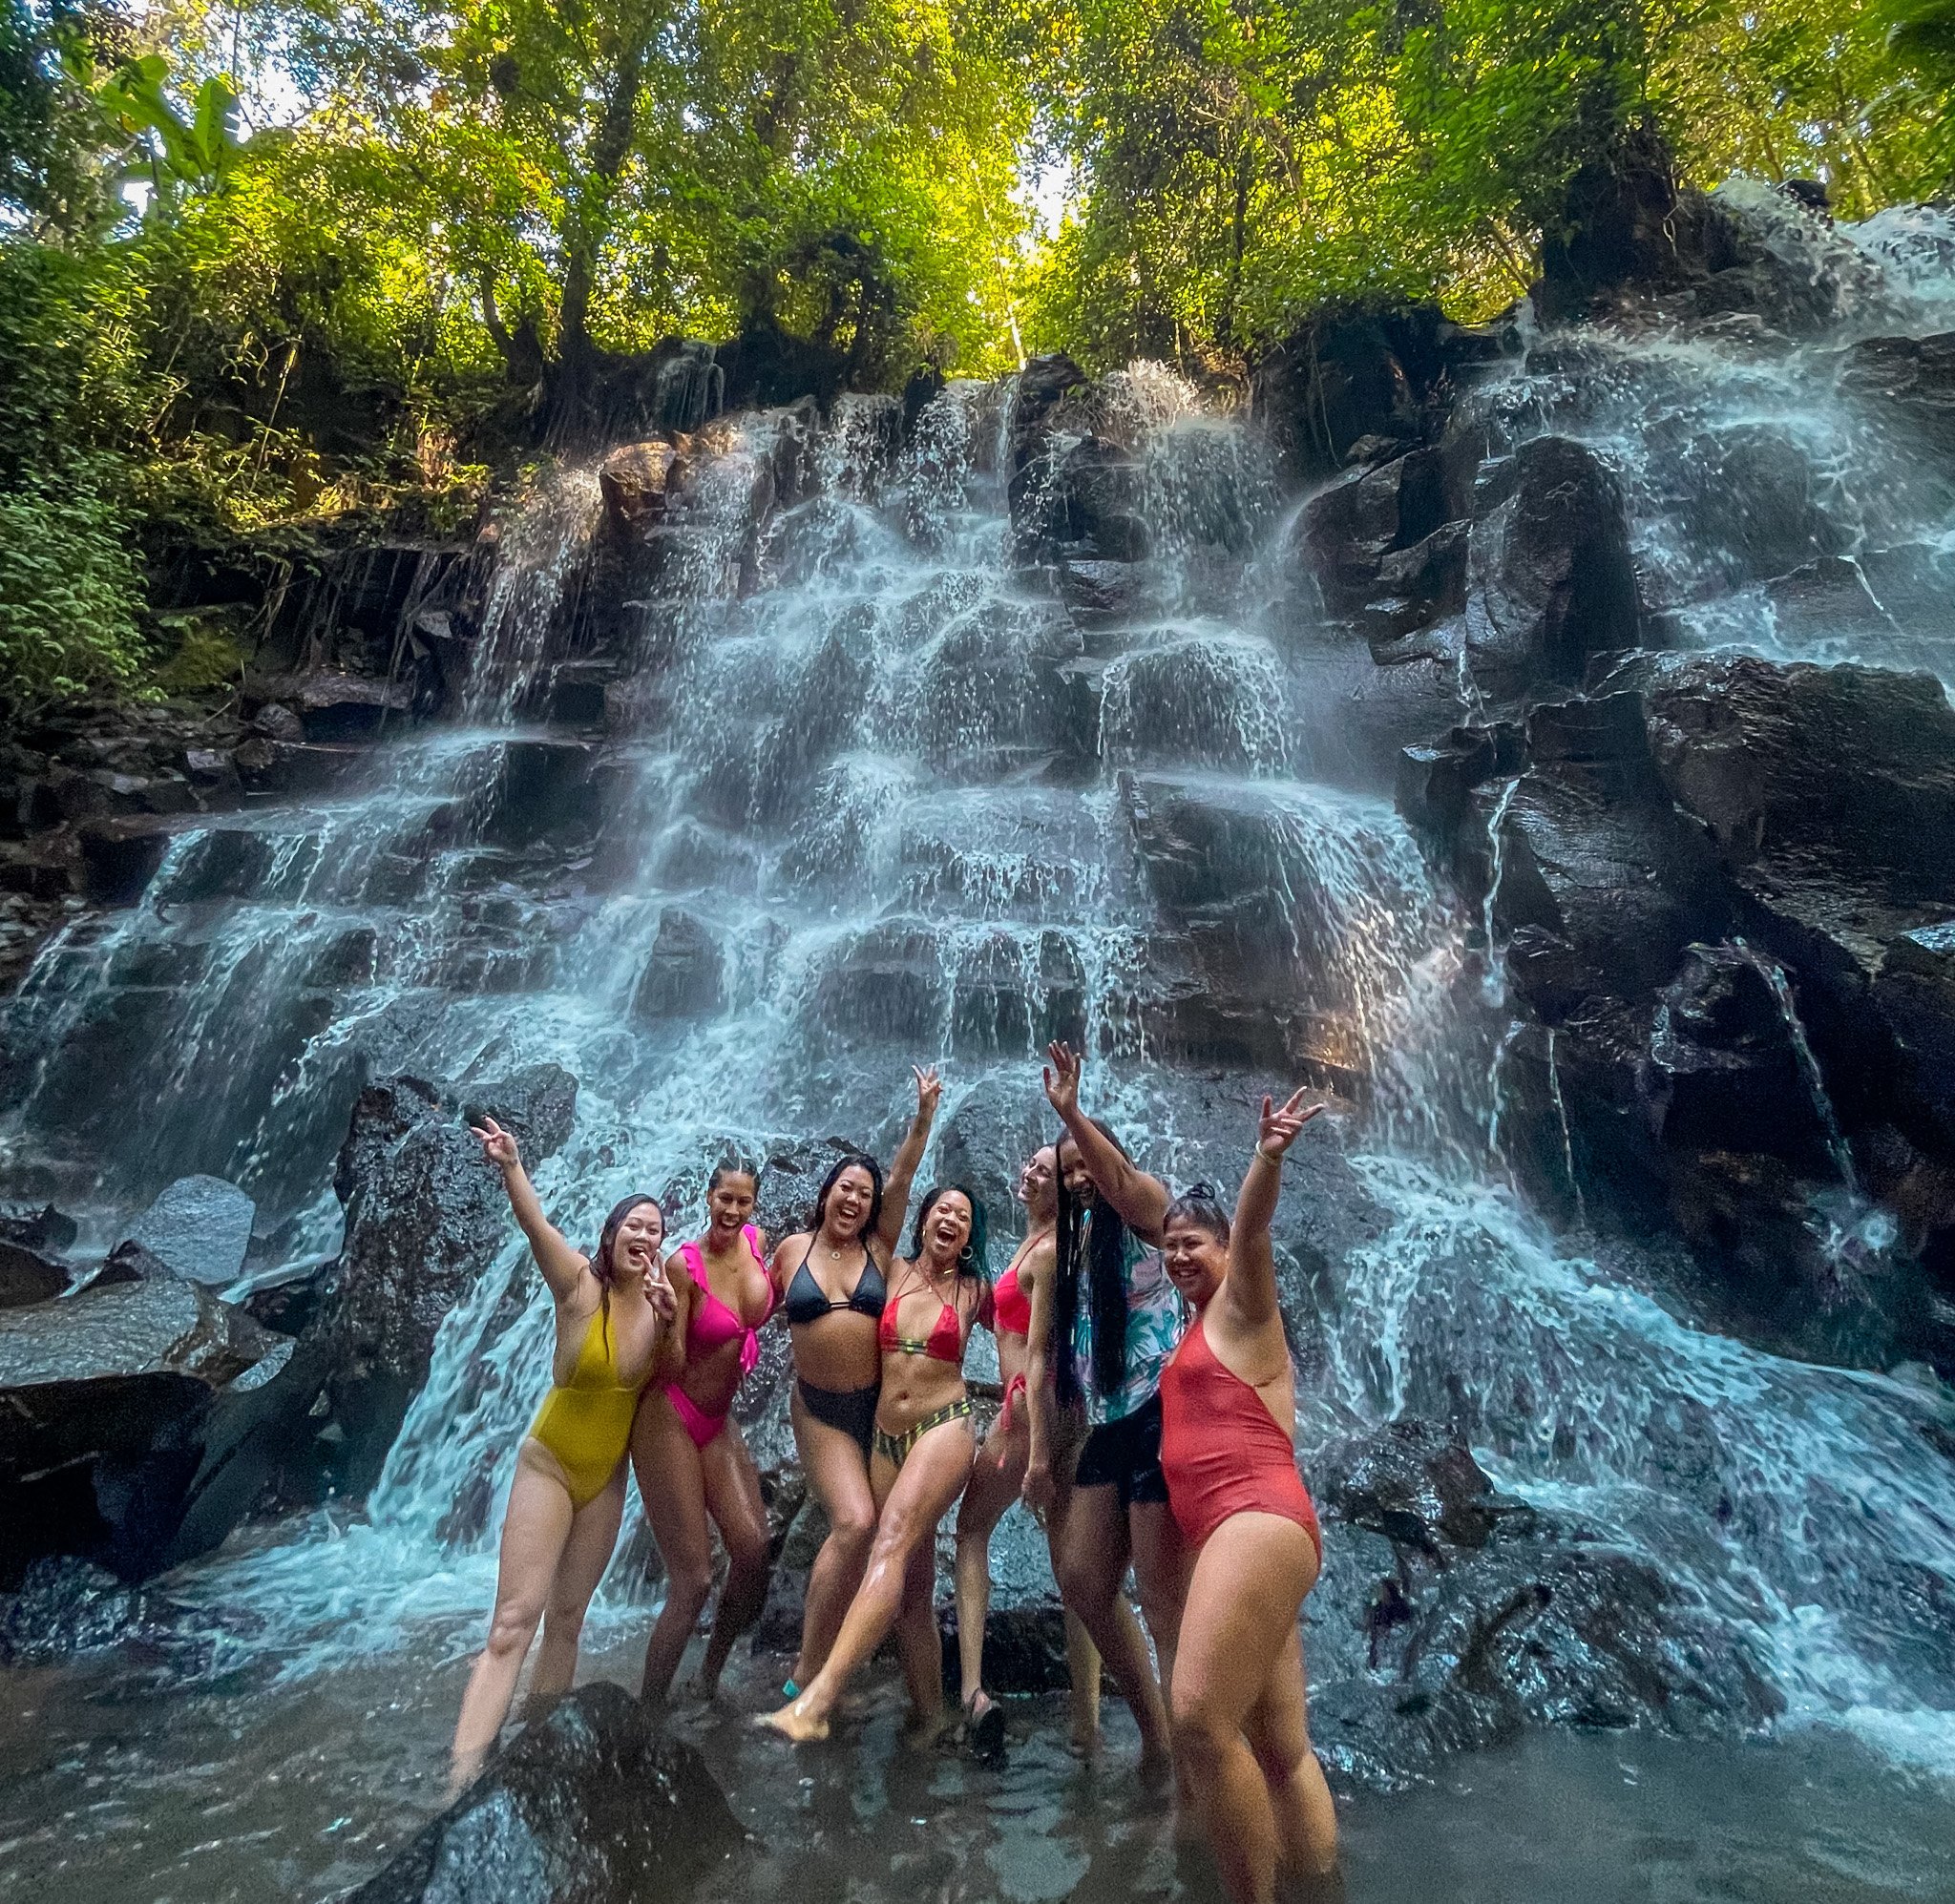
x=1125 y=1454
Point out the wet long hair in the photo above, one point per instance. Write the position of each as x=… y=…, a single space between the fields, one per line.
x=603 y=1262
x=1099 y=1244
x=855 y=1159
x=971 y=1258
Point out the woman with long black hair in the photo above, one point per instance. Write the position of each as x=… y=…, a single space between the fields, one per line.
x=1116 y=1321
x=614 y=1317
x=832 y=1280
x=920 y=1459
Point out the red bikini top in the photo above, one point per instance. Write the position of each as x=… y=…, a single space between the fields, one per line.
x=945 y=1343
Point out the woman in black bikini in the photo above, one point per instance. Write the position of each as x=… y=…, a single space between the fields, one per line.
x=832 y=1287
x=921 y=1452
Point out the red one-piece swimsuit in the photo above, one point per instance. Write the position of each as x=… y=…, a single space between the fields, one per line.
x=1222 y=1449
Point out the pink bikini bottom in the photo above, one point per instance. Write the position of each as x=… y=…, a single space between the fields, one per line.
x=698 y=1424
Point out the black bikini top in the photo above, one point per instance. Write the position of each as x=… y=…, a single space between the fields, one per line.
x=806 y=1302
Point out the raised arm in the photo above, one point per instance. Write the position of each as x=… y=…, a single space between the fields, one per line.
x=1038 y=1487
x=562 y=1267
x=1251 y=1287
x=895 y=1190
x=1140 y=1200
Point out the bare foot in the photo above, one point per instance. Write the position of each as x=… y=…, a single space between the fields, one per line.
x=1157 y=1767
x=459 y=1779
x=923 y=1729
x=795 y=1722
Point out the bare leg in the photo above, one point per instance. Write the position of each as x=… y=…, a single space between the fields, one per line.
x=586 y=1553
x=1161 y=1574
x=733 y=1500
x=672 y=1485
x=1278 y=1733
x=1090 y=1541
x=534 y=1527
x=1238 y=1631
x=921 y=1647
x=996 y=1477
x=1083 y=1669
x=838 y=1471
x=913 y=1500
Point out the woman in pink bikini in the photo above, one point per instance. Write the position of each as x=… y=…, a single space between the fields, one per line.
x=921 y=1458
x=690 y=1459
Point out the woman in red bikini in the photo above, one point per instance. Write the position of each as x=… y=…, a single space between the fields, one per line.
x=690 y=1459
x=832 y=1281
x=1228 y=1413
x=1000 y=1469
x=921 y=1458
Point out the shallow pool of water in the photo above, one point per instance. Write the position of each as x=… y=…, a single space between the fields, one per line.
x=110 y=1788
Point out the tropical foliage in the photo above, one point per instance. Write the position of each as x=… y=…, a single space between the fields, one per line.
x=292 y=259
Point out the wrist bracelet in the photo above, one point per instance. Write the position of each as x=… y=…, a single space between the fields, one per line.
x=1274 y=1162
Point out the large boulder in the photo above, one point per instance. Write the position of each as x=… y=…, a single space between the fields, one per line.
x=199 y=1228
x=588 y=1806
x=1450 y=1616
x=1549 y=576
x=424 y=1218
x=139 y=1422
x=682 y=976
x=1723 y=890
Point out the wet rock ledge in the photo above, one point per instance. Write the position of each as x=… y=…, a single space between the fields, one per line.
x=586 y=1807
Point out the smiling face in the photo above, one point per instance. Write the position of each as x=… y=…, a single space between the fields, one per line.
x=636 y=1246
x=1072 y=1168
x=730 y=1202
x=1196 y=1259
x=851 y=1198
x=947 y=1228
x=1038 y=1184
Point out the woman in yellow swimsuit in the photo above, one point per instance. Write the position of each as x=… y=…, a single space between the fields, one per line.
x=614 y=1335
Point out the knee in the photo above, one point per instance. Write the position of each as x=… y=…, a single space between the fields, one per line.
x=564 y=1619
x=1202 y=1736
x=853 y=1531
x=747 y=1549
x=688 y=1584
x=512 y=1627
x=1084 y=1583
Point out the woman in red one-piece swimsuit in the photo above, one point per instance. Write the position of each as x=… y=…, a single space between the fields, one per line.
x=1228 y=1413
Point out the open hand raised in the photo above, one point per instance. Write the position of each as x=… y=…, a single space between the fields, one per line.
x=1063 y=1078
x=1279 y=1127
x=499 y=1145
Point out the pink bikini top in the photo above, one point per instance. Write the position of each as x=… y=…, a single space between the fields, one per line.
x=713 y=1324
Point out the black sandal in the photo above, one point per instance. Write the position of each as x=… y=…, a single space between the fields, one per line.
x=984 y=1732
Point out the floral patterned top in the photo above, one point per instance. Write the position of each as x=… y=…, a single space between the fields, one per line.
x=1156 y=1320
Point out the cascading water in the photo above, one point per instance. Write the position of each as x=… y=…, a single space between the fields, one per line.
x=892 y=805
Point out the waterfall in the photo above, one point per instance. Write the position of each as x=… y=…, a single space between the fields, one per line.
x=904 y=809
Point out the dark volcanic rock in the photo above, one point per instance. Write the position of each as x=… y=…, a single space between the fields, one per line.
x=37 y=1226
x=588 y=1806
x=425 y=1218
x=1450 y=1616
x=681 y=978
x=1910 y=379
x=1726 y=890
x=1549 y=580
x=139 y=1422
x=334 y=706
x=67 y=1607
x=199 y=1228
x=632 y=481
x=27 y=1276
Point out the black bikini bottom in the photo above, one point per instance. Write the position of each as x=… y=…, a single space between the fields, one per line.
x=851 y=1410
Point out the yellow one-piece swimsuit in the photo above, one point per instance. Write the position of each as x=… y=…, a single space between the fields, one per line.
x=586 y=1421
